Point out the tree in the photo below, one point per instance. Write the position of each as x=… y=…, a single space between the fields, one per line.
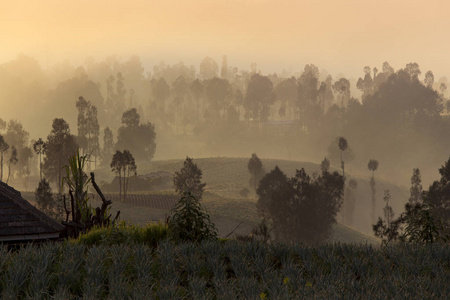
x=196 y=88
x=44 y=199
x=3 y=148
x=17 y=136
x=342 y=88
x=40 y=147
x=161 y=92
x=218 y=92
x=438 y=198
x=224 y=69
x=61 y=145
x=123 y=162
x=12 y=160
x=88 y=127
x=343 y=144
x=108 y=145
x=259 y=97
x=208 y=68
x=256 y=170
x=325 y=165
x=188 y=221
x=139 y=138
x=301 y=208
x=188 y=179
x=416 y=189
x=350 y=201
x=24 y=168
x=335 y=153
x=387 y=229
x=373 y=166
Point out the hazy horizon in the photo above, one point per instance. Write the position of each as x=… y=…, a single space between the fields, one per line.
x=340 y=37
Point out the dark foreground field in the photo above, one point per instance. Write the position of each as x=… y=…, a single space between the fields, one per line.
x=224 y=270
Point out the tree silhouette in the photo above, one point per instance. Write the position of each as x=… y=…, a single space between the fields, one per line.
x=188 y=179
x=373 y=166
x=208 y=68
x=416 y=189
x=196 y=88
x=61 y=145
x=387 y=229
x=123 y=164
x=108 y=145
x=256 y=170
x=12 y=161
x=139 y=138
x=343 y=144
x=301 y=208
x=259 y=97
x=40 y=147
x=350 y=201
x=3 y=148
x=44 y=199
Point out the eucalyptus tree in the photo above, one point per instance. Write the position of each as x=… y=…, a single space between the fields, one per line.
x=373 y=166
x=3 y=148
x=40 y=148
x=123 y=164
x=61 y=145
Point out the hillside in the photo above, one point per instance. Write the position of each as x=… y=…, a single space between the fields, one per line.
x=226 y=177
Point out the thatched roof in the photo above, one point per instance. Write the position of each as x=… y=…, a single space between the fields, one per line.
x=21 y=221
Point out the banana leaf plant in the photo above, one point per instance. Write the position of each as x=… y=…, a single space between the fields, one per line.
x=77 y=181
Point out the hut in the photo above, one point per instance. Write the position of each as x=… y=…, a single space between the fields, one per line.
x=22 y=222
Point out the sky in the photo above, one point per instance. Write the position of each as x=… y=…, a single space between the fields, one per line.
x=339 y=36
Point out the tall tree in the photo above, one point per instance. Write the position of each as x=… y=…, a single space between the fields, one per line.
x=256 y=169
x=416 y=190
x=301 y=208
x=88 y=127
x=12 y=161
x=343 y=144
x=3 y=148
x=189 y=179
x=61 y=145
x=342 y=88
x=139 y=138
x=259 y=97
x=438 y=198
x=350 y=201
x=108 y=145
x=123 y=164
x=196 y=88
x=44 y=199
x=387 y=228
x=208 y=68
x=373 y=166
x=40 y=147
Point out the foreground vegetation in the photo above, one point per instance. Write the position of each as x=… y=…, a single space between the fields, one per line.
x=223 y=270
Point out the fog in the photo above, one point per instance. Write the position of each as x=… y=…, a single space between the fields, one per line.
x=282 y=79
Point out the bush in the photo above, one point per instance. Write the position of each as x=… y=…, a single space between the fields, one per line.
x=189 y=222
x=150 y=234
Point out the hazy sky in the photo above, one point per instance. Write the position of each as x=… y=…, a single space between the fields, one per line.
x=340 y=36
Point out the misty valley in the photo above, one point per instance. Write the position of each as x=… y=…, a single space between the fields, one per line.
x=214 y=182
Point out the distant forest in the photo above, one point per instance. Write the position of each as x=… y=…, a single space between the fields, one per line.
x=400 y=117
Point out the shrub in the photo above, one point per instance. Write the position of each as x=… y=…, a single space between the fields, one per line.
x=189 y=222
x=150 y=234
